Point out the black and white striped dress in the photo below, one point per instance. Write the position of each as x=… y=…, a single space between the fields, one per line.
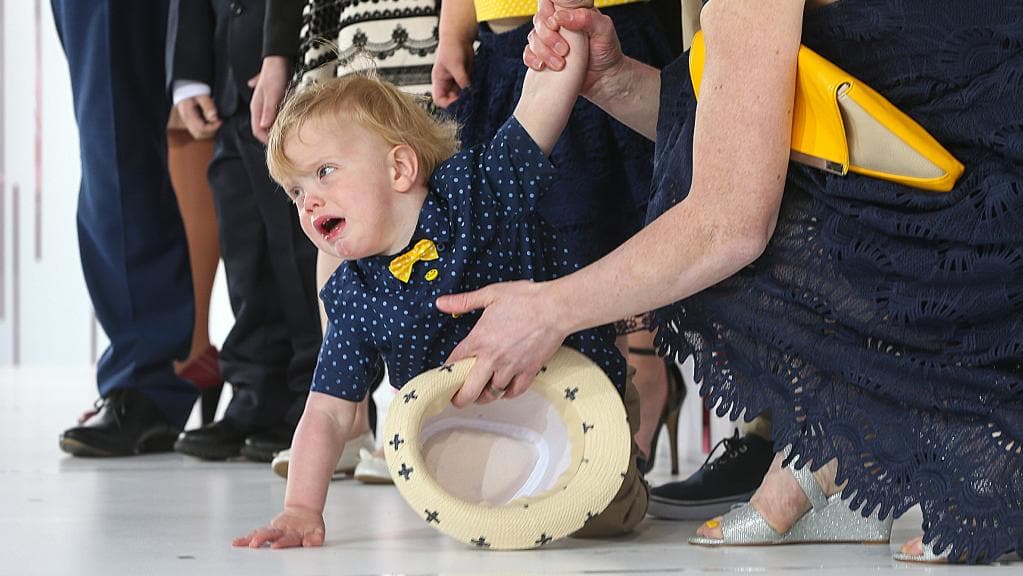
x=397 y=38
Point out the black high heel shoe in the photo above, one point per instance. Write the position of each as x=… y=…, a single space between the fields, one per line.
x=204 y=372
x=669 y=414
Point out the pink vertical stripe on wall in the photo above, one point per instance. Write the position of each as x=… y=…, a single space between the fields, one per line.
x=93 y=338
x=3 y=177
x=38 y=204
x=15 y=279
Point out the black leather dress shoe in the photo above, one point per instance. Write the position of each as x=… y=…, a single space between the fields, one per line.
x=126 y=423
x=263 y=446
x=217 y=441
x=719 y=484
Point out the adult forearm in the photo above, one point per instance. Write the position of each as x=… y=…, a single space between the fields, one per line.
x=631 y=94
x=457 y=21
x=740 y=159
x=676 y=256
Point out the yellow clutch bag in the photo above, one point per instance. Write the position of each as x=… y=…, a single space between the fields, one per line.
x=840 y=124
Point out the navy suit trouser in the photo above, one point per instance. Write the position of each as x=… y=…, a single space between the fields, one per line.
x=133 y=247
x=270 y=353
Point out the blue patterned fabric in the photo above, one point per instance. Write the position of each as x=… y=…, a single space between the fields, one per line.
x=481 y=214
x=884 y=325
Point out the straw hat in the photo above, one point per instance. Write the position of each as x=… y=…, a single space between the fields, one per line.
x=516 y=473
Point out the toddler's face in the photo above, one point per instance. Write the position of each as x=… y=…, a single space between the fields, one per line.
x=344 y=195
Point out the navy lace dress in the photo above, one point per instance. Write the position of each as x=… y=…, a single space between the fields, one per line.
x=884 y=325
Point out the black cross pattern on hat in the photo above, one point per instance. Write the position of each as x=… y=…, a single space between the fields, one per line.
x=405 y=471
x=590 y=516
x=447 y=368
x=481 y=542
x=542 y=370
x=587 y=427
x=396 y=441
x=543 y=540
x=431 y=516
x=411 y=396
x=570 y=393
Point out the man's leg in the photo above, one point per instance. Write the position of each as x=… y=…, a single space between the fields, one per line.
x=133 y=247
x=292 y=263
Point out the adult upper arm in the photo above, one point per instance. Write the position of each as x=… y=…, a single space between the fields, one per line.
x=744 y=114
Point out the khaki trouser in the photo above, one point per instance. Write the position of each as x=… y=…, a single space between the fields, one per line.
x=630 y=503
x=760 y=426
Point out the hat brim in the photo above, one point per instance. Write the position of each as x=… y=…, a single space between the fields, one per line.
x=594 y=416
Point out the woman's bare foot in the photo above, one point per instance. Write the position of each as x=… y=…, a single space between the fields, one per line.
x=915 y=551
x=914 y=547
x=779 y=499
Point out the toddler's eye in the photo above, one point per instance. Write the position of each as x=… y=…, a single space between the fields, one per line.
x=324 y=171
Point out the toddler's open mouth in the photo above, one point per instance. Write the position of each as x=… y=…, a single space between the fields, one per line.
x=327 y=226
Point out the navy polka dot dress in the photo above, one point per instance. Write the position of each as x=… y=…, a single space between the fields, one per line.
x=480 y=213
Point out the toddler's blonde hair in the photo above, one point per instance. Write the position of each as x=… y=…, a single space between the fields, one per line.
x=376 y=105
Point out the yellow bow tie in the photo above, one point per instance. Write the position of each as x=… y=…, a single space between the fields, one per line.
x=401 y=266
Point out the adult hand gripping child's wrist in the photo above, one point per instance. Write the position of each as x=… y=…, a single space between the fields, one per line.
x=547 y=48
x=290 y=529
x=520 y=328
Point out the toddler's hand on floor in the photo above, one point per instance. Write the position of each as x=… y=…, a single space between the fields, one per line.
x=290 y=529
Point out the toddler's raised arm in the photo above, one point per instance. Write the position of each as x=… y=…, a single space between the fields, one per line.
x=548 y=96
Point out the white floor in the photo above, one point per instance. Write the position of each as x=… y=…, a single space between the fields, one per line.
x=170 y=514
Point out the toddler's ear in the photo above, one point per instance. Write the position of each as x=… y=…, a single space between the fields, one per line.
x=404 y=168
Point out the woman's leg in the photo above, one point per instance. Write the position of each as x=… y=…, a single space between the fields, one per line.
x=187 y=160
x=652 y=383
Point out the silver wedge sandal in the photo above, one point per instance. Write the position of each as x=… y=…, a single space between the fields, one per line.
x=830 y=520
x=928 y=557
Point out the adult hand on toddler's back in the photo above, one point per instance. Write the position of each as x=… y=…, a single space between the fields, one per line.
x=547 y=48
x=516 y=334
x=290 y=529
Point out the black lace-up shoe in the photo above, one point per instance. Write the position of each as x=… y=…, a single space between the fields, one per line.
x=262 y=447
x=218 y=441
x=719 y=484
x=125 y=423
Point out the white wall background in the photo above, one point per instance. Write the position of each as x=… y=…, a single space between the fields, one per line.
x=46 y=317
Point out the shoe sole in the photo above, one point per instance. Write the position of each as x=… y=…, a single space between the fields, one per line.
x=204 y=452
x=257 y=455
x=152 y=444
x=708 y=543
x=76 y=448
x=668 y=509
